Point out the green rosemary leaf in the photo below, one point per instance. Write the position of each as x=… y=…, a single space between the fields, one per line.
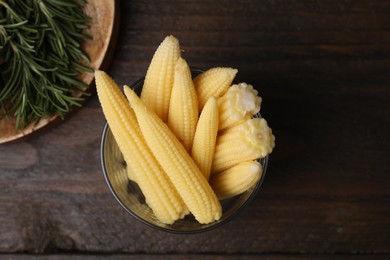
x=81 y=67
x=15 y=25
x=62 y=3
x=71 y=80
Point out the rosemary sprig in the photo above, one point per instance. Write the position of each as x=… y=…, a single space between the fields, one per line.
x=41 y=58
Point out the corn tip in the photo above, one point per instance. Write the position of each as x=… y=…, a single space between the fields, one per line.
x=232 y=72
x=181 y=64
x=131 y=96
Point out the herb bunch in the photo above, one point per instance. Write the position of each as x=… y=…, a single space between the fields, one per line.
x=41 y=58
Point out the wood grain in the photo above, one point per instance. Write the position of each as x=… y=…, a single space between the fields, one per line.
x=322 y=70
x=191 y=257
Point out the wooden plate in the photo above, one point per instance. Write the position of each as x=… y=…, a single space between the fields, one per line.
x=104 y=24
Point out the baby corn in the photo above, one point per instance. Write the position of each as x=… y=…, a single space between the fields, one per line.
x=205 y=137
x=213 y=82
x=181 y=169
x=250 y=140
x=236 y=180
x=240 y=102
x=157 y=87
x=160 y=194
x=183 y=105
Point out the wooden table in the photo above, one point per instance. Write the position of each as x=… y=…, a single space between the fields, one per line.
x=322 y=69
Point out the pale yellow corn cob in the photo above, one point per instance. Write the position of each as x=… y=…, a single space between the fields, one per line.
x=130 y=173
x=240 y=102
x=160 y=194
x=205 y=137
x=177 y=163
x=236 y=179
x=213 y=82
x=183 y=105
x=250 y=140
x=158 y=83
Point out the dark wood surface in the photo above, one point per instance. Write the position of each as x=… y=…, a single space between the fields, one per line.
x=322 y=68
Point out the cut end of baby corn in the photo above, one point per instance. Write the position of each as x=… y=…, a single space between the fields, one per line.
x=159 y=192
x=158 y=82
x=213 y=82
x=183 y=105
x=240 y=102
x=267 y=139
x=205 y=137
x=250 y=140
x=194 y=189
x=236 y=179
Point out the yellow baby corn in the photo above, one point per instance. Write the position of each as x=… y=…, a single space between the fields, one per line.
x=159 y=192
x=240 y=102
x=181 y=169
x=158 y=83
x=130 y=173
x=250 y=140
x=213 y=82
x=183 y=105
x=236 y=180
x=205 y=137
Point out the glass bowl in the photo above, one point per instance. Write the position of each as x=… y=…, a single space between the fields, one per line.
x=130 y=197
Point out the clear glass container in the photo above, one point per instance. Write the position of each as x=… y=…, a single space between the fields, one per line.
x=130 y=197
